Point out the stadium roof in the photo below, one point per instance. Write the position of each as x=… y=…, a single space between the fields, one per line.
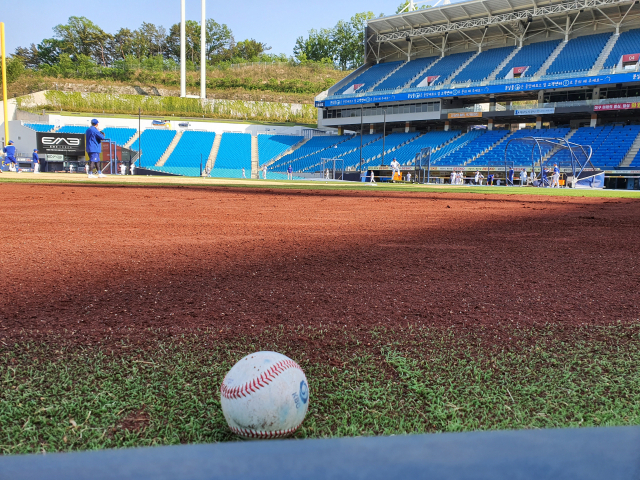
x=484 y=22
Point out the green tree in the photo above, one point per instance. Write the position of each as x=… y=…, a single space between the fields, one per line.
x=80 y=36
x=249 y=50
x=318 y=46
x=405 y=4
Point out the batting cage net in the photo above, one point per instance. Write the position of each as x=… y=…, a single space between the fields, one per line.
x=333 y=168
x=541 y=155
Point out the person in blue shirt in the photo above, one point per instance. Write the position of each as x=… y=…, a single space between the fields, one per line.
x=555 y=180
x=36 y=161
x=94 y=138
x=510 y=177
x=290 y=173
x=9 y=154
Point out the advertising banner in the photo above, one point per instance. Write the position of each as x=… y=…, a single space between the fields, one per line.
x=536 y=111
x=60 y=143
x=465 y=115
x=482 y=90
x=519 y=70
x=426 y=82
x=616 y=106
x=634 y=57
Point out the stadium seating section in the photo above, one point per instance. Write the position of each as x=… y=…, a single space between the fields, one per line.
x=234 y=152
x=270 y=146
x=405 y=74
x=579 y=54
x=192 y=149
x=39 y=127
x=627 y=43
x=610 y=144
x=72 y=129
x=483 y=65
x=372 y=75
x=444 y=68
x=532 y=56
x=119 y=135
x=153 y=144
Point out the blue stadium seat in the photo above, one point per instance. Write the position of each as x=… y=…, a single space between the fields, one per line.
x=532 y=56
x=579 y=54
x=270 y=146
x=405 y=73
x=39 y=127
x=481 y=67
x=154 y=143
x=372 y=75
x=72 y=129
x=193 y=148
x=120 y=135
x=444 y=68
x=234 y=151
x=628 y=43
x=312 y=153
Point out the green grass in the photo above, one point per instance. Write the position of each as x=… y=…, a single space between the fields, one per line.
x=351 y=186
x=56 y=398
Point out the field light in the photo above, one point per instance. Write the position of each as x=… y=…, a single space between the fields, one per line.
x=183 y=51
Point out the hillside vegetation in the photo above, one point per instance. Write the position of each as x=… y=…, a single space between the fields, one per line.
x=277 y=82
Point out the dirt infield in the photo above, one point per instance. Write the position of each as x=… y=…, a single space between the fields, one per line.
x=97 y=264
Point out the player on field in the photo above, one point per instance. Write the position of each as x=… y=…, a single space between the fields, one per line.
x=9 y=154
x=264 y=172
x=36 y=161
x=93 y=138
x=372 y=179
x=123 y=169
x=395 y=168
x=290 y=173
x=555 y=180
x=243 y=174
x=523 y=177
x=133 y=168
x=510 y=177
x=409 y=177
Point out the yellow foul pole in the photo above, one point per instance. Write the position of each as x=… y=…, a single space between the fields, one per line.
x=4 y=85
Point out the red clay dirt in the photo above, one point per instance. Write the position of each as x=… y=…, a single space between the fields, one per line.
x=95 y=264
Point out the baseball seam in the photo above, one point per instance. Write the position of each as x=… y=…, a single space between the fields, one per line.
x=247 y=432
x=256 y=384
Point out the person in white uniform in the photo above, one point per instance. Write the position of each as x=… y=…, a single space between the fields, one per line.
x=555 y=182
x=243 y=174
x=453 y=178
x=409 y=177
x=372 y=179
x=133 y=169
x=395 y=168
x=523 y=177
x=264 y=172
x=123 y=169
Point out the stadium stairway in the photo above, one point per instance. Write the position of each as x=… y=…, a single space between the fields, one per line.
x=455 y=73
x=255 y=155
x=132 y=140
x=631 y=154
x=604 y=54
x=500 y=67
x=498 y=143
x=167 y=153
x=288 y=151
x=373 y=87
x=545 y=66
x=555 y=150
x=420 y=74
x=211 y=160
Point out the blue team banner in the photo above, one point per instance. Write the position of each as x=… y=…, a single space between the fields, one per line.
x=479 y=90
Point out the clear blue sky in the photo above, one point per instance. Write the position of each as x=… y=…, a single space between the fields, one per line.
x=276 y=23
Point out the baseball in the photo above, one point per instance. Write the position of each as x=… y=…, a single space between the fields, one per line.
x=264 y=395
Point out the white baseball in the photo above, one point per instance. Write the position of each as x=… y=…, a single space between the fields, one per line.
x=265 y=395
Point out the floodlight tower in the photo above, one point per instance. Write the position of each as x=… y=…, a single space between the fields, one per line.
x=203 y=56
x=183 y=50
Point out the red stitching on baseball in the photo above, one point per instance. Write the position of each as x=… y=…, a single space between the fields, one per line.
x=248 y=388
x=247 y=432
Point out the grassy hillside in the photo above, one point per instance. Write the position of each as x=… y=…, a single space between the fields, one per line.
x=280 y=82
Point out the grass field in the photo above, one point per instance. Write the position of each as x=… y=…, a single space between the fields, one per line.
x=68 y=398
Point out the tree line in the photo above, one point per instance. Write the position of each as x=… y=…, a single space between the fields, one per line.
x=81 y=48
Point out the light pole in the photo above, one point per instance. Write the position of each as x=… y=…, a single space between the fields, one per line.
x=183 y=50
x=203 y=56
x=361 y=138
